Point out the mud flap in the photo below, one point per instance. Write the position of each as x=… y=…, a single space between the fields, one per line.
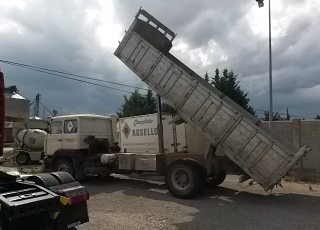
x=71 y=216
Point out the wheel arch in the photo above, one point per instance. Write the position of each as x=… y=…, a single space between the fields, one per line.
x=64 y=153
x=23 y=151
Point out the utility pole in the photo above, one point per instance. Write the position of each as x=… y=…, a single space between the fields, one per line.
x=36 y=107
x=261 y=4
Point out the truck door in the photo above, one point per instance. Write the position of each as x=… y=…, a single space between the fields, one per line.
x=54 y=139
x=70 y=134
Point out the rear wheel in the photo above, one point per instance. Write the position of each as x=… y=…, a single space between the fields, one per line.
x=184 y=179
x=22 y=158
x=64 y=165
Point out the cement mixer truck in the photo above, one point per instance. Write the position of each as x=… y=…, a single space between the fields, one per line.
x=29 y=146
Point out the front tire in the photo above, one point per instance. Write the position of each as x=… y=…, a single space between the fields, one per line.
x=64 y=165
x=23 y=158
x=184 y=179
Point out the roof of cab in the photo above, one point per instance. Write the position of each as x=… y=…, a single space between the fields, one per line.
x=80 y=116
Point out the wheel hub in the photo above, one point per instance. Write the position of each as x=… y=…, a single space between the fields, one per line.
x=22 y=158
x=63 y=167
x=180 y=178
x=183 y=178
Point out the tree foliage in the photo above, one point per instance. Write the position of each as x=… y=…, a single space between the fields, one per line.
x=167 y=108
x=11 y=89
x=138 y=104
x=318 y=117
x=228 y=84
x=206 y=77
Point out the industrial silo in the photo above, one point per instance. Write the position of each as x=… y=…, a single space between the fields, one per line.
x=16 y=112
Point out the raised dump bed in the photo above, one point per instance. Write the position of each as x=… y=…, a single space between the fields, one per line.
x=232 y=130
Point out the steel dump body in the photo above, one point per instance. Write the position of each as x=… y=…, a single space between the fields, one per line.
x=231 y=129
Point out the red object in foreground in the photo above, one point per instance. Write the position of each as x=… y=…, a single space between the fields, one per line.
x=79 y=198
x=2 y=112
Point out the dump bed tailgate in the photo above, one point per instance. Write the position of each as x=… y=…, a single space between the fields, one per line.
x=256 y=150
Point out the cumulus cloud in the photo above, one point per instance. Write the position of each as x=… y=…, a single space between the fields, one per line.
x=81 y=36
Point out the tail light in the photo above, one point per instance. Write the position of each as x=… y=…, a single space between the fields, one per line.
x=78 y=198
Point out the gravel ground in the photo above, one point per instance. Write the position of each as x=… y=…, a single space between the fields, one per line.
x=142 y=202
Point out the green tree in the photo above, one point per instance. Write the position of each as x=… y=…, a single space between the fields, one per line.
x=11 y=89
x=138 y=104
x=167 y=108
x=206 y=77
x=229 y=85
x=317 y=117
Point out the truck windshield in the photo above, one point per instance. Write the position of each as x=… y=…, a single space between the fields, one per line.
x=56 y=127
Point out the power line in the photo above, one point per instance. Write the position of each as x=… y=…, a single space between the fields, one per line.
x=58 y=75
x=41 y=69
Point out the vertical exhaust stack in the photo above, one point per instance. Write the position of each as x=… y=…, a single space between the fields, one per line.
x=2 y=112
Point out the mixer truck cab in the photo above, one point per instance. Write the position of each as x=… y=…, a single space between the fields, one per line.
x=77 y=143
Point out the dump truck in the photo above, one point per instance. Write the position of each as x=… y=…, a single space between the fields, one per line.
x=87 y=144
x=235 y=135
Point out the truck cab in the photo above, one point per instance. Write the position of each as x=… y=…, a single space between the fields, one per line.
x=75 y=143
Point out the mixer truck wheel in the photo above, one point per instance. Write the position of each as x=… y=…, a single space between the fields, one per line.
x=65 y=165
x=23 y=158
x=215 y=181
x=184 y=179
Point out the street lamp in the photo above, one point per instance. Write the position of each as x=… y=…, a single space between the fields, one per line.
x=261 y=4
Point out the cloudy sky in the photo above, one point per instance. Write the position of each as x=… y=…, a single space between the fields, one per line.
x=80 y=37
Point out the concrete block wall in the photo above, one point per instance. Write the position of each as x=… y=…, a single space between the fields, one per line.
x=310 y=135
x=300 y=133
x=297 y=132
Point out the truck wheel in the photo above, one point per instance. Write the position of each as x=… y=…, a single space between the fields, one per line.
x=64 y=165
x=215 y=181
x=23 y=159
x=184 y=179
x=44 y=180
x=201 y=170
x=63 y=177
